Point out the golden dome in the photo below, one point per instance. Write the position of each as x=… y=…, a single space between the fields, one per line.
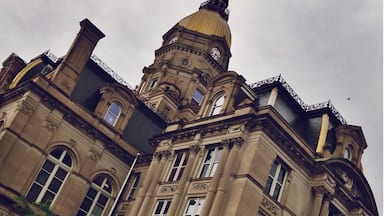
x=208 y=22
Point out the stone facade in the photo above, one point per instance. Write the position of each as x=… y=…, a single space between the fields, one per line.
x=192 y=139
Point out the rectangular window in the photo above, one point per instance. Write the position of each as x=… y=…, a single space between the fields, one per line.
x=133 y=187
x=211 y=161
x=194 y=206
x=161 y=208
x=276 y=179
x=178 y=166
x=198 y=96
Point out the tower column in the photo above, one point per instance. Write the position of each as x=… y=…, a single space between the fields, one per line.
x=154 y=181
x=319 y=193
x=215 y=181
x=325 y=207
x=224 y=181
x=141 y=193
x=186 y=174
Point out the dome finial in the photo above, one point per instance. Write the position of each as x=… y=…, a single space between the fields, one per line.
x=220 y=6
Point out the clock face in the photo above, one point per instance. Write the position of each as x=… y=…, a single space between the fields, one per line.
x=215 y=53
x=173 y=40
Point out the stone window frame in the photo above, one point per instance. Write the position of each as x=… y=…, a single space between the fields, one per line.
x=133 y=186
x=115 y=115
x=215 y=106
x=179 y=169
x=164 y=207
x=104 y=190
x=196 y=209
x=199 y=102
x=350 y=151
x=274 y=178
x=56 y=157
x=211 y=165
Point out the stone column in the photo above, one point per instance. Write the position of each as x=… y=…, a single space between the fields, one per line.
x=215 y=181
x=154 y=182
x=319 y=193
x=143 y=189
x=273 y=96
x=325 y=207
x=186 y=174
x=224 y=181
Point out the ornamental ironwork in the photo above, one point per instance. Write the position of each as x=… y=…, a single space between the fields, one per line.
x=295 y=96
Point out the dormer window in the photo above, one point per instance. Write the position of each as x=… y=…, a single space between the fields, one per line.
x=197 y=96
x=112 y=114
x=217 y=105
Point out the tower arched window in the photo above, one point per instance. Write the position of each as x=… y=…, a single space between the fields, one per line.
x=51 y=177
x=97 y=197
x=217 y=105
x=348 y=153
x=112 y=114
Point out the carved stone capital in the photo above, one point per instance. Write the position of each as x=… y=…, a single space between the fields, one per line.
x=237 y=142
x=194 y=149
x=319 y=190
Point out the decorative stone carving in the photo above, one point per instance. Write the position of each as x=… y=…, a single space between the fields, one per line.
x=165 y=143
x=195 y=148
x=94 y=155
x=200 y=187
x=50 y=125
x=167 y=189
x=270 y=206
x=235 y=128
x=25 y=109
x=237 y=141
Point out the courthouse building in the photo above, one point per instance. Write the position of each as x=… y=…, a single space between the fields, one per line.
x=193 y=138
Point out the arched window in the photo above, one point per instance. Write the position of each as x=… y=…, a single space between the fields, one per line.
x=348 y=153
x=217 y=105
x=112 y=113
x=51 y=177
x=97 y=197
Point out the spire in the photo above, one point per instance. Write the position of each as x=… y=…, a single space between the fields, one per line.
x=217 y=5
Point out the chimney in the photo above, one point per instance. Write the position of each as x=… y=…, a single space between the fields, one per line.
x=68 y=72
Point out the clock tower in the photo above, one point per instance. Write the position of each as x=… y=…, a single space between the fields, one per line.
x=193 y=52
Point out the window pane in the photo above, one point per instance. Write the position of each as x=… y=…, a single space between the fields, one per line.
x=33 y=193
x=61 y=173
x=92 y=193
x=167 y=207
x=48 y=197
x=48 y=166
x=197 y=96
x=42 y=177
x=204 y=170
x=172 y=174
x=67 y=160
x=273 y=169
x=191 y=207
x=97 y=211
x=213 y=170
x=114 y=109
x=277 y=191
x=269 y=184
x=281 y=175
x=159 y=207
x=102 y=200
x=55 y=185
x=57 y=153
x=98 y=181
x=81 y=213
x=86 y=205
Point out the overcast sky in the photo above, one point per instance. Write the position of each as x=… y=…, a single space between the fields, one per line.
x=325 y=49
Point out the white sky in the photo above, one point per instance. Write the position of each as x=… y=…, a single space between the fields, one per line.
x=325 y=49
